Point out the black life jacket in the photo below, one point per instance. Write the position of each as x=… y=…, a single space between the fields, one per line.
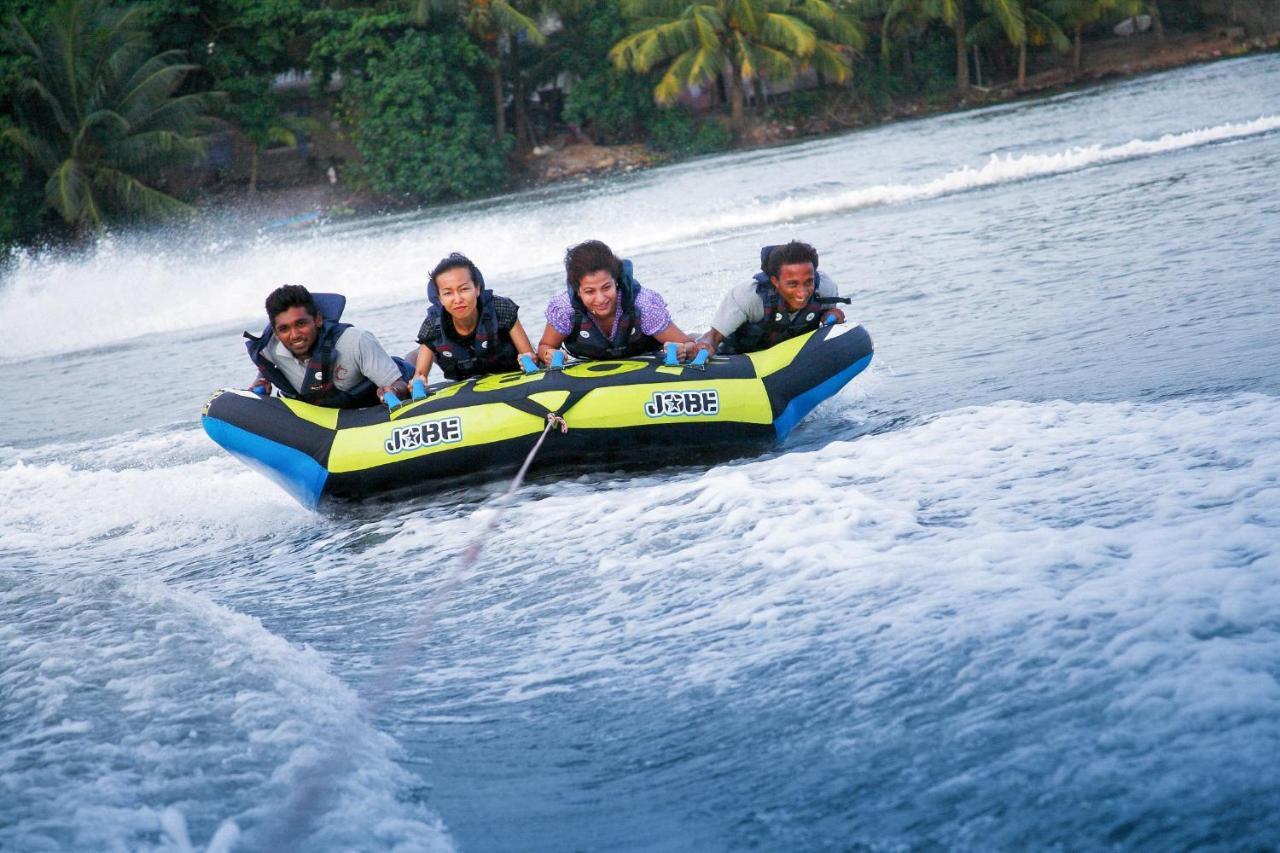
x=586 y=341
x=778 y=323
x=490 y=350
x=317 y=387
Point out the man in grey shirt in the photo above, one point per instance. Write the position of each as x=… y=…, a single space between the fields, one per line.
x=319 y=361
x=786 y=298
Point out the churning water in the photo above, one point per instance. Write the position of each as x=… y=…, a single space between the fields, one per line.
x=1017 y=586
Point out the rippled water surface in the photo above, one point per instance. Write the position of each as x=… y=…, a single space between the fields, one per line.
x=1015 y=587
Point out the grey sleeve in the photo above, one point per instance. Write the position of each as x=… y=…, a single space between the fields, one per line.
x=372 y=360
x=827 y=285
x=740 y=305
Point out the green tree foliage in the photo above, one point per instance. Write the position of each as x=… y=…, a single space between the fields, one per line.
x=1075 y=15
x=491 y=22
x=775 y=38
x=22 y=211
x=1007 y=15
x=243 y=45
x=609 y=105
x=99 y=116
x=414 y=112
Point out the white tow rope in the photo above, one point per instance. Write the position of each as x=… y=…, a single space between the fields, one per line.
x=308 y=798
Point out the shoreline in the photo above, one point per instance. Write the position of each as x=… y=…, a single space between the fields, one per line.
x=296 y=207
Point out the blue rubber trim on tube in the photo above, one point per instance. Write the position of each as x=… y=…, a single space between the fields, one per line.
x=806 y=402
x=295 y=472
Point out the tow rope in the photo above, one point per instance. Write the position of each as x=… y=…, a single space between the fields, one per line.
x=299 y=813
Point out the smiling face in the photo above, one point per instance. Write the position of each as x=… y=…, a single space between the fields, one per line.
x=458 y=295
x=599 y=292
x=794 y=283
x=297 y=330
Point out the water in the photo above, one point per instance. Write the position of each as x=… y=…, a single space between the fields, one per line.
x=1015 y=587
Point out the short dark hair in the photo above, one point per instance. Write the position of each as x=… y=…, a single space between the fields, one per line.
x=794 y=252
x=457 y=260
x=289 y=296
x=585 y=258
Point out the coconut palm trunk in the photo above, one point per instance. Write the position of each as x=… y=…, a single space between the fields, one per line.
x=1076 y=51
x=737 y=111
x=1022 y=64
x=499 y=107
x=962 y=57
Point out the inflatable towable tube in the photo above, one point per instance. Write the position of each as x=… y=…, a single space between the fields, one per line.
x=615 y=410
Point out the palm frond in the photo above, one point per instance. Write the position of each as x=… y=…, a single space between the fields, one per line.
x=511 y=19
x=832 y=62
x=790 y=33
x=132 y=194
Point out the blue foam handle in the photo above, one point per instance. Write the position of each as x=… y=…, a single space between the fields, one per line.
x=701 y=358
x=527 y=364
x=672 y=354
x=259 y=390
x=829 y=320
x=419 y=389
x=390 y=399
x=557 y=359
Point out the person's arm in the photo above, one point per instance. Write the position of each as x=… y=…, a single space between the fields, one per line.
x=374 y=364
x=559 y=327
x=551 y=341
x=828 y=287
x=521 y=340
x=672 y=334
x=261 y=385
x=709 y=340
x=740 y=305
x=422 y=366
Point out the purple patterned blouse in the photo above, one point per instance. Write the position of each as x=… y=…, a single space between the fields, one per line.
x=651 y=311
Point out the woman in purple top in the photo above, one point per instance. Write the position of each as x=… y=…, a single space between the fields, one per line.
x=604 y=312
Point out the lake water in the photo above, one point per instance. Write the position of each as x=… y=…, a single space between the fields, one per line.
x=1017 y=586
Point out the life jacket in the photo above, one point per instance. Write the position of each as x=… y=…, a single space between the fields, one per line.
x=490 y=350
x=778 y=323
x=317 y=387
x=586 y=341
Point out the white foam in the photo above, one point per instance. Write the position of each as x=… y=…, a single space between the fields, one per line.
x=1001 y=526
x=139 y=494
x=130 y=287
x=194 y=707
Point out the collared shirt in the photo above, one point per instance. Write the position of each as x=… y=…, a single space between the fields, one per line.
x=357 y=354
x=743 y=305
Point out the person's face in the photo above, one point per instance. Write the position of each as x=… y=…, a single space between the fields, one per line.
x=297 y=330
x=458 y=293
x=794 y=283
x=599 y=292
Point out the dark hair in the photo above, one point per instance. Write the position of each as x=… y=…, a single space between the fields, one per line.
x=457 y=260
x=794 y=252
x=585 y=258
x=289 y=296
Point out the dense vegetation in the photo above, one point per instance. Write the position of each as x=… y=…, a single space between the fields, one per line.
x=103 y=102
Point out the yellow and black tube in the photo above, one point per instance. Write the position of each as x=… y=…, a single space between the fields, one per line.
x=615 y=410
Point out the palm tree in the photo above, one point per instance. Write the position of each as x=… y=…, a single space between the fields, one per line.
x=1006 y=14
x=1077 y=14
x=491 y=21
x=742 y=38
x=100 y=118
x=1033 y=24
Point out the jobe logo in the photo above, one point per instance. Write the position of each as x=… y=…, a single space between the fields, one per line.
x=429 y=434
x=688 y=403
